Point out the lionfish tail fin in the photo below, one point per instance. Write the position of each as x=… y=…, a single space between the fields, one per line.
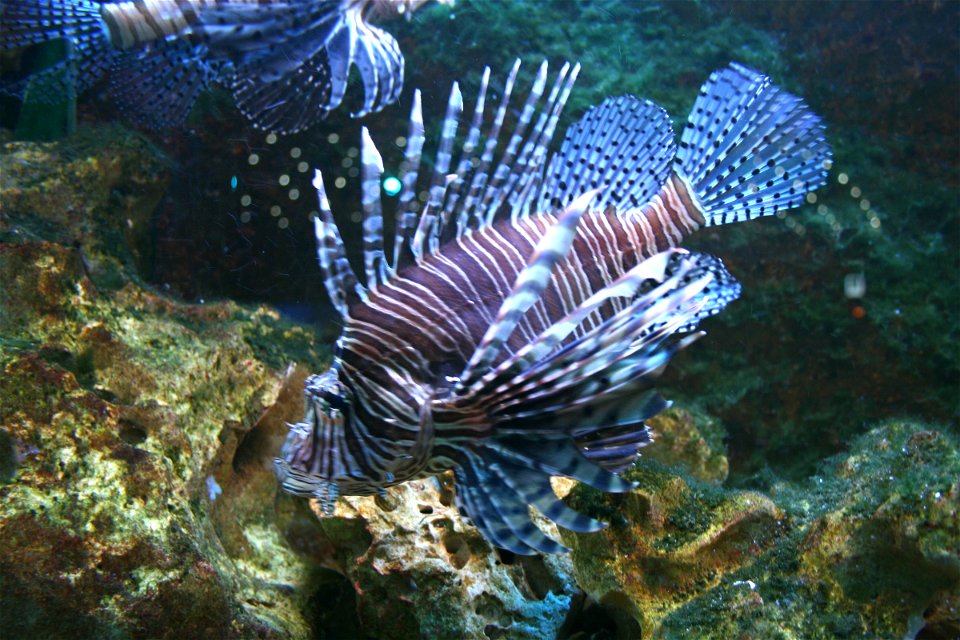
x=79 y=22
x=749 y=148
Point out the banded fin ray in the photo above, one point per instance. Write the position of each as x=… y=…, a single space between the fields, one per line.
x=157 y=86
x=749 y=148
x=90 y=54
x=529 y=285
x=338 y=276
x=624 y=145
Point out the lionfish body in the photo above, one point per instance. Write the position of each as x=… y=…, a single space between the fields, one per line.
x=517 y=329
x=285 y=61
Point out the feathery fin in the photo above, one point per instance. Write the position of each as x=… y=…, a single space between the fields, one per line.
x=749 y=148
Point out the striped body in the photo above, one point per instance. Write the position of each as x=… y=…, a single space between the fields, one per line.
x=285 y=61
x=531 y=304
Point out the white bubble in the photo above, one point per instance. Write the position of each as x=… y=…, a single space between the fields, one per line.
x=333 y=138
x=295 y=152
x=245 y=201
x=271 y=138
x=275 y=210
x=340 y=182
x=245 y=217
x=346 y=163
x=812 y=198
x=865 y=205
x=294 y=193
x=253 y=159
x=284 y=180
x=283 y=223
x=353 y=172
x=353 y=152
x=401 y=141
x=356 y=217
x=843 y=178
x=302 y=167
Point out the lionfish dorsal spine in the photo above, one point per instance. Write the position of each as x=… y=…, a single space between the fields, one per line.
x=533 y=174
x=338 y=276
x=489 y=204
x=373 y=257
x=406 y=219
x=481 y=176
x=468 y=156
x=438 y=215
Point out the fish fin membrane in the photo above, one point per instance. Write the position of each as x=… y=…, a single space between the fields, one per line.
x=90 y=54
x=499 y=479
x=623 y=146
x=305 y=75
x=749 y=148
x=157 y=86
x=595 y=381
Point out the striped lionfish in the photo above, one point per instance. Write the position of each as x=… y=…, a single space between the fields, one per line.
x=528 y=307
x=285 y=61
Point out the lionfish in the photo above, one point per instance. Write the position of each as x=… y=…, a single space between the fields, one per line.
x=528 y=307
x=286 y=62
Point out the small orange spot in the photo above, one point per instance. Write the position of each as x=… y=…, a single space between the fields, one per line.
x=858 y=312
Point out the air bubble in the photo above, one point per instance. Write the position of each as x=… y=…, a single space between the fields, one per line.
x=333 y=138
x=353 y=152
x=401 y=141
x=303 y=167
x=283 y=223
x=253 y=159
x=294 y=193
x=346 y=163
x=245 y=216
x=340 y=182
x=284 y=180
x=245 y=201
x=855 y=192
x=275 y=210
x=843 y=178
x=865 y=205
x=271 y=138
x=356 y=217
x=295 y=152
x=812 y=198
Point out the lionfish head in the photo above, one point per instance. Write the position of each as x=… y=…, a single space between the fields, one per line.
x=315 y=461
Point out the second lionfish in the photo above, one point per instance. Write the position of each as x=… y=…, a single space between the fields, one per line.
x=286 y=62
x=527 y=308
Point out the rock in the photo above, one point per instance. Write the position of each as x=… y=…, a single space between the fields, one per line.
x=117 y=407
x=670 y=540
x=870 y=548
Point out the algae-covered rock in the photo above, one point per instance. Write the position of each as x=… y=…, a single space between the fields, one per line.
x=870 y=548
x=118 y=406
x=95 y=190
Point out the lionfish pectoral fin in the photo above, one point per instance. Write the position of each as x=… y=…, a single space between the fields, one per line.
x=624 y=145
x=749 y=148
x=380 y=63
x=499 y=479
x=529 y=286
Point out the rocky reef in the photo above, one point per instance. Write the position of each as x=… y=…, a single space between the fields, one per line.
x=137 y=430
